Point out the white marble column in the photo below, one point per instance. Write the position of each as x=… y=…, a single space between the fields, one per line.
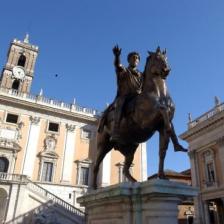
x=69 y=150
x=13 y=162
x=106 y=170
x=31 y=147
x=143 y=162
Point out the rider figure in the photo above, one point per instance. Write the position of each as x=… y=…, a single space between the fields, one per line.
x=129 y=83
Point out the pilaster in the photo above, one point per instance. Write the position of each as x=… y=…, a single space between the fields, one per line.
x=31 y=147
x=106 y=170
x=69 y=151
x=143 y=162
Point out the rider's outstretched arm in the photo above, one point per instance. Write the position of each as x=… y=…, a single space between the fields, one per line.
x=117 y=61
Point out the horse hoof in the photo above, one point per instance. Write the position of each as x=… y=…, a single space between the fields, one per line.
x=180 y=148
x=162 y=176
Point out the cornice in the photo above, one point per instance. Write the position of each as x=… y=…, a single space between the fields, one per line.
x=44 y=109
x=203 y=147
x=204 y=127
x=25 y=45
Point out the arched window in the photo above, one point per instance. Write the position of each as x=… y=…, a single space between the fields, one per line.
x=4 y=164
x=22 y=60
x=15 y=84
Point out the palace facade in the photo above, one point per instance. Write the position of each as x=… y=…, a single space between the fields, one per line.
x=205 y=136
x=47 y=147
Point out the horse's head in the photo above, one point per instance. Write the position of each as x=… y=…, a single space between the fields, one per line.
x=157 y=63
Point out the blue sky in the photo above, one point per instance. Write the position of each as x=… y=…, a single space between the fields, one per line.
x=76 y=39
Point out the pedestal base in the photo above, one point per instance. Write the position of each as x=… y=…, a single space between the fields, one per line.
x=150 y=202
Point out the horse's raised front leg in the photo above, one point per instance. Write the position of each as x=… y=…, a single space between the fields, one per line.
x=129 y=157
x=163 y=145
x=177 y=146
x=103 y=147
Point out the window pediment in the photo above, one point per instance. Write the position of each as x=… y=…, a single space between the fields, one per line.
x=84 y=161
x=9 y=144
x=49 y=154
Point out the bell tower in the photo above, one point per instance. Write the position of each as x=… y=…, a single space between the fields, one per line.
x=18 y=72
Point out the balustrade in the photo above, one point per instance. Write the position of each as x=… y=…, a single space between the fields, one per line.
x=54 y=198
x=12 y=177
x=50 y=102
x=40 y=190
x=207 y=115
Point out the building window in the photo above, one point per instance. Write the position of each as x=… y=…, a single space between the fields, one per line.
x=22 y=60
x=4 y=164
x=84 y=176
x=47 y=172
x=54 y=127
x=12 y=118
x=86 y=134
x=189 y=213
x=83 y=172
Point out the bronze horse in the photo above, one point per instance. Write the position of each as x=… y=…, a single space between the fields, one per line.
x=143 y=115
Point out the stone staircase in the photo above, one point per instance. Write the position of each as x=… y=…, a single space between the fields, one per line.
x=29 y=203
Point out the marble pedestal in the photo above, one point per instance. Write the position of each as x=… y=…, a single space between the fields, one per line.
x=151 y=202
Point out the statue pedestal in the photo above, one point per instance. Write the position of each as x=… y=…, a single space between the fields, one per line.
x=150 y=202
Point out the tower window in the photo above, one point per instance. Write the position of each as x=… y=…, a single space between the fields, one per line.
x=12 y=118
x=22 y=60
x=15 y=84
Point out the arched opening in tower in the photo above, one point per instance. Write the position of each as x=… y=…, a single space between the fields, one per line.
x=22 y=60
x=15 y=84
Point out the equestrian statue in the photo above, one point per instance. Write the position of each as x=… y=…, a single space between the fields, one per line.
x=141 y=107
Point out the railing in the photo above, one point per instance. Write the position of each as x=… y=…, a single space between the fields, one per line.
x=54 y=198
x=12 y=177
x=207 y=115
x=49 y=102
x=40 y=190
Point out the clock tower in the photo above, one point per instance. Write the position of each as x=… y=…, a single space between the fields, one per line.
x=19 y=69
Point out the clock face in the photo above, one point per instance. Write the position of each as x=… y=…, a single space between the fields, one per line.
x=18 y=72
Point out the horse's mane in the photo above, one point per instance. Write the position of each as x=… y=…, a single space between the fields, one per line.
x=146 y=64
